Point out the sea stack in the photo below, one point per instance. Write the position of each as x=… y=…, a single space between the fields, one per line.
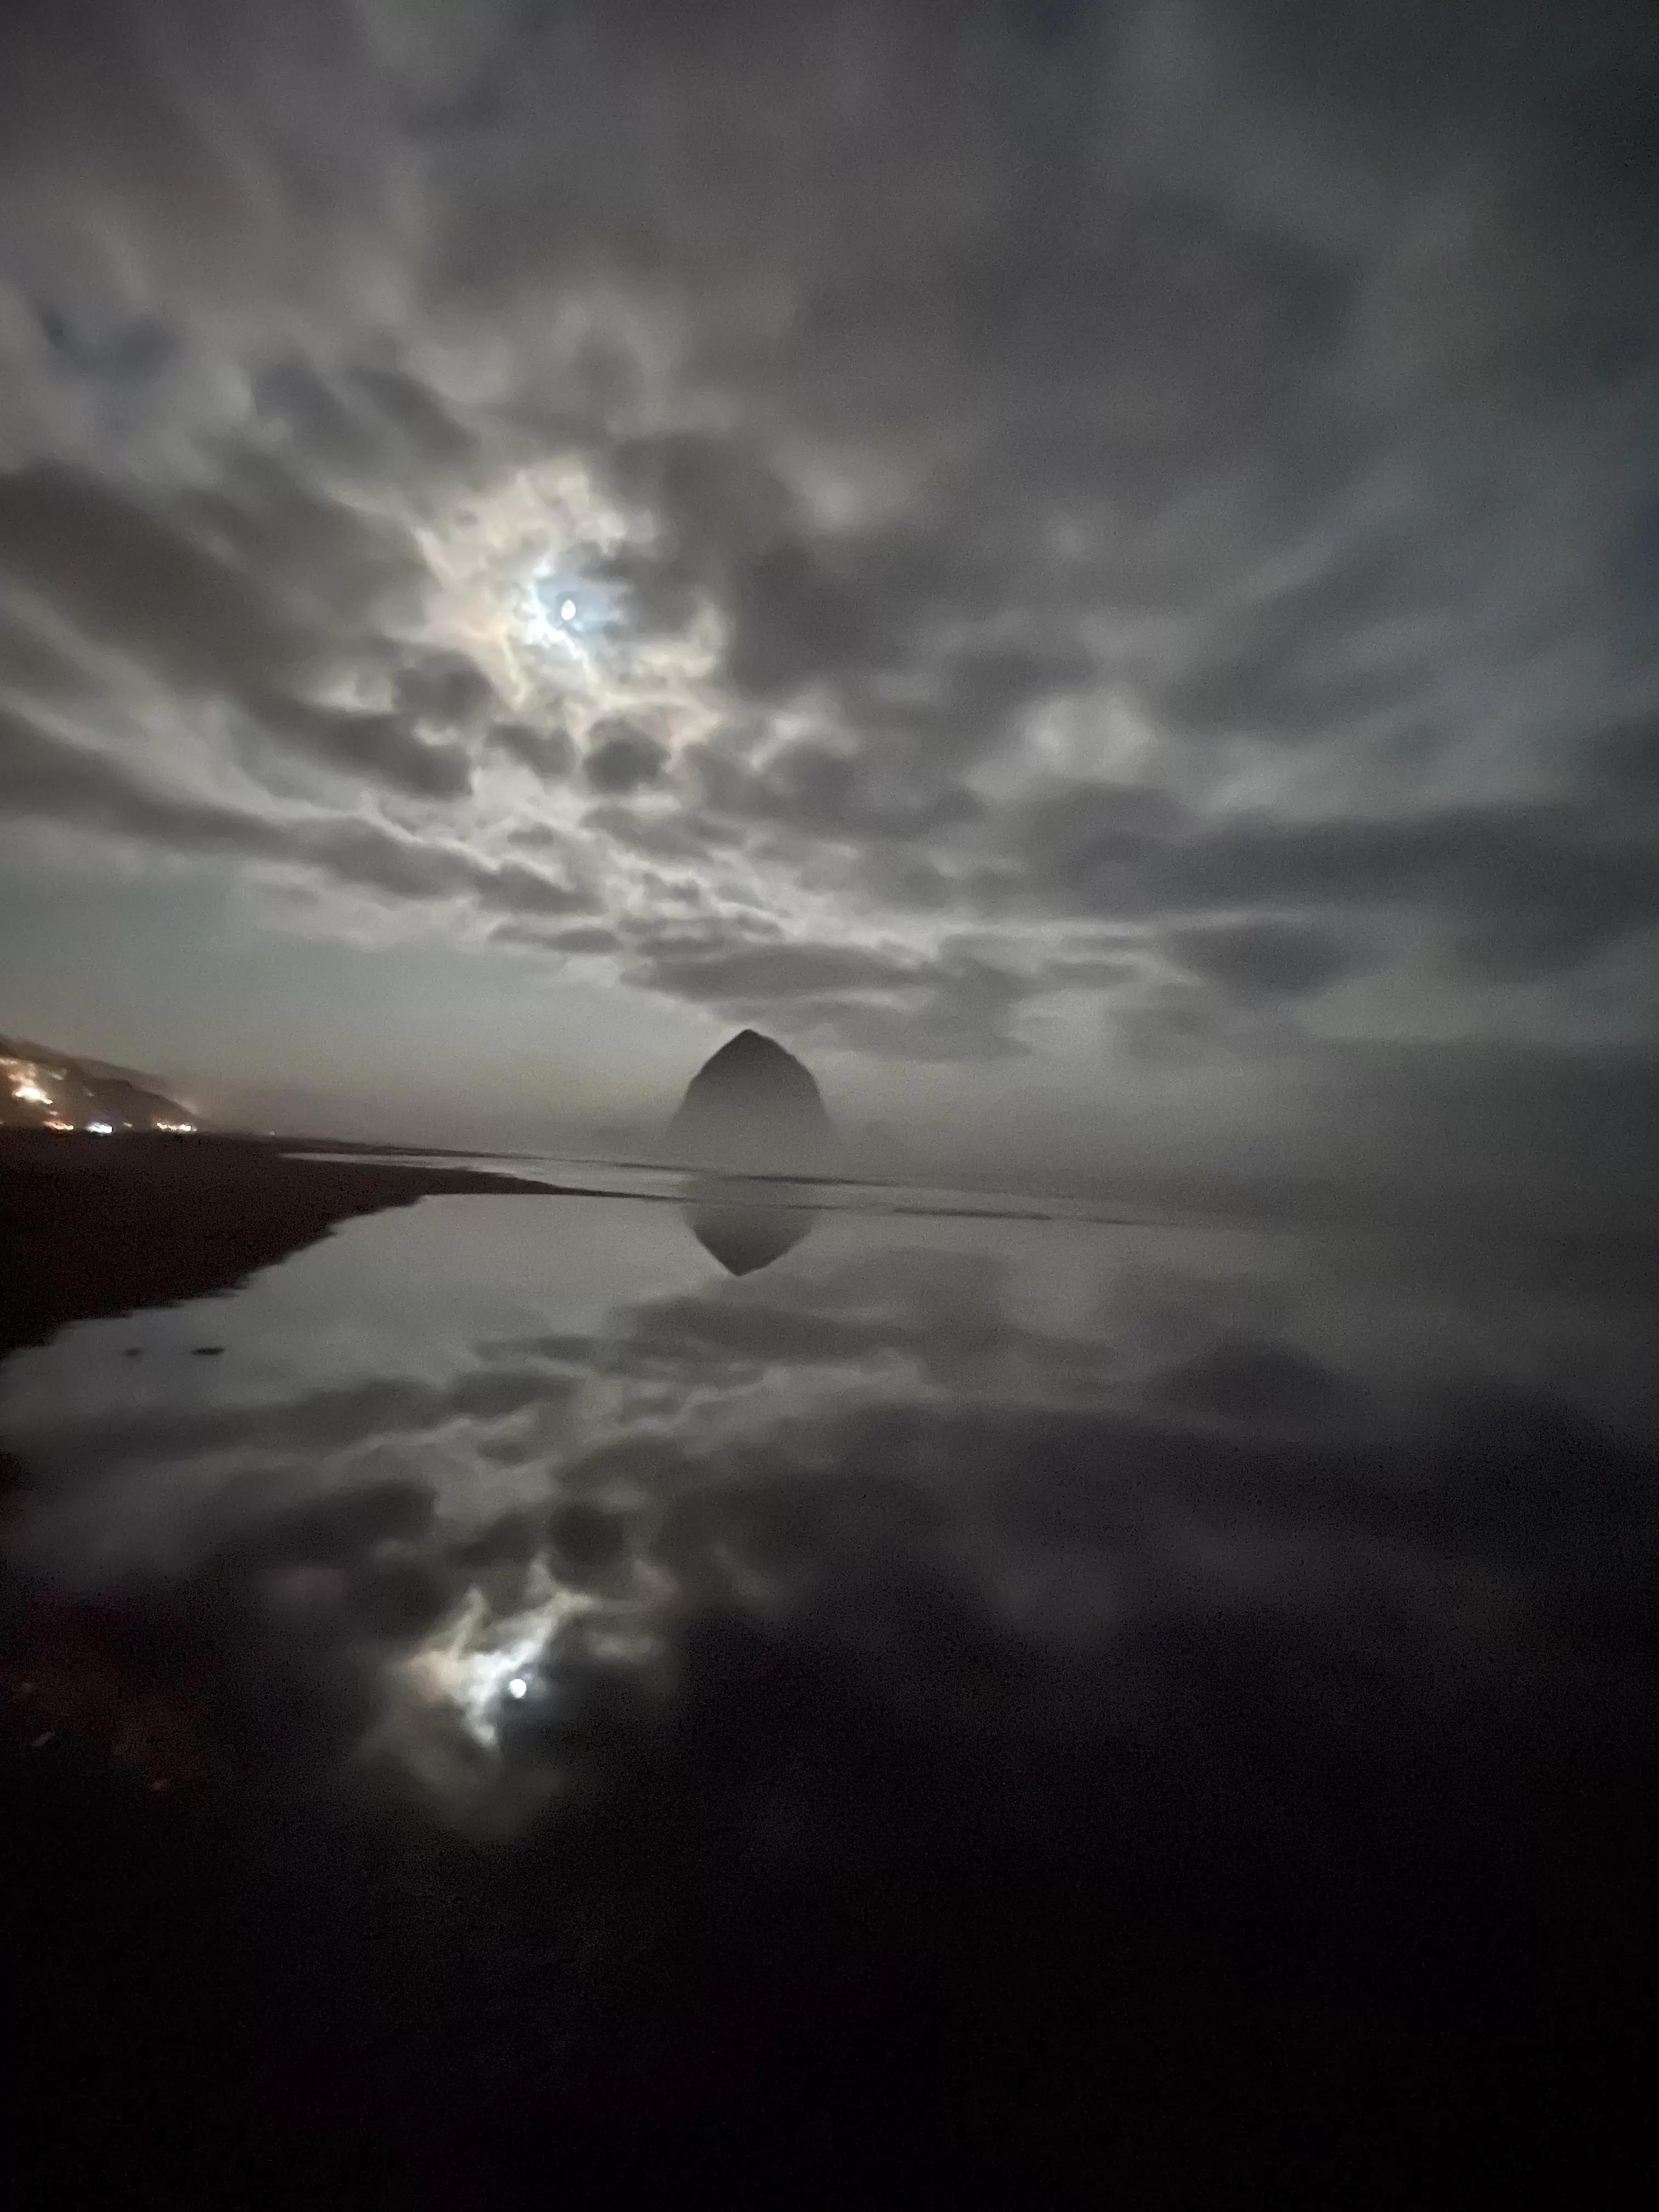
x=754 y=1107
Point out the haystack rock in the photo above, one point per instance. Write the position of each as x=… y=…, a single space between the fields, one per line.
x=754 y=1107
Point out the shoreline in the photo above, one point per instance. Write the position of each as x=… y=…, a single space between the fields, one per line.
x=91 y=1227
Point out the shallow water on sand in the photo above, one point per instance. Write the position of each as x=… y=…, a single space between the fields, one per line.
x=865 y=1618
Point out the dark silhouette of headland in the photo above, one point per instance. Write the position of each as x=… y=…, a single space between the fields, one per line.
x=754 y=1108
x=41 y=1088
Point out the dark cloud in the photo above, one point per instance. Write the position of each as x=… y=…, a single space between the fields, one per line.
x=447 y=688
x=1627 y=756
x=1465 y=856
x=1572 y=880
x=1186 y=467
x=680 y=834
x=1090 y=845
x=1086 y=969
x=32 y=667
x=1349 y=641
x=721 y=973
x=200 y=598
x=373 y=748
x=510 y=888
x=621 y=758
x=541 y=937
x=364 y=422
x=834 y=790
x=1266 y=959
x=1552 y=882
x=287 y=531
x=953 y=1005
x=719 y=498
x=548 y=753
x=795 y=618
x=124 y=573
x=44 y=779
x=964 y=1011
x=725 y=514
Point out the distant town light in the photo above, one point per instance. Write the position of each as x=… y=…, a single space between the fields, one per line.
x=65 y=1126
x=32 y=1092
x=100 y=1129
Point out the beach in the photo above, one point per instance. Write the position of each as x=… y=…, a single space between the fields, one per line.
x=94 y=1225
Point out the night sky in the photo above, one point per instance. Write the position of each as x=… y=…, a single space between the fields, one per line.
x=1093 y=570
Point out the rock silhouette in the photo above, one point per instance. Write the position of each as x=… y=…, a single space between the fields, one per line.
x=754 y=1107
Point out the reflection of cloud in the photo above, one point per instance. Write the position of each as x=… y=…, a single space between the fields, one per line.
x=475 y=1663
x=881 y=1464
x=852 y=1582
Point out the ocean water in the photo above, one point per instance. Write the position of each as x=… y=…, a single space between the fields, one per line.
x=788 y=1668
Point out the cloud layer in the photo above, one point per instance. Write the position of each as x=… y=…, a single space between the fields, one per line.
x=1140 y=513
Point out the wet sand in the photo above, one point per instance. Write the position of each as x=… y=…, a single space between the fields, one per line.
x=95 y=1226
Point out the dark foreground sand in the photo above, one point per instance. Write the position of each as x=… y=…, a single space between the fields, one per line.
x=93 y=1226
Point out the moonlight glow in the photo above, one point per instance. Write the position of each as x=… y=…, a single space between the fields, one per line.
x=562 y=611
x=476 y=1658
x=525 y=582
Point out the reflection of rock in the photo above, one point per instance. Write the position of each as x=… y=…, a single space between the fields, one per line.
x=753 y=1106
x=745 y=1237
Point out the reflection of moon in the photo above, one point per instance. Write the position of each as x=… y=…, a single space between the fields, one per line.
x=745 y=1237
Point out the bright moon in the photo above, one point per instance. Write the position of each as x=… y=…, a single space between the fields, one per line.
x=526 y=581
